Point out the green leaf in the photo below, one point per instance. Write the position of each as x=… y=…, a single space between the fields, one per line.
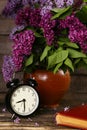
x=72 y=45
x=77 y=61
x=67 y=13
x=64 y=39
x=45 y=52
x=57 y=67
x=61 y=43
x=82 y=13
x=57 y=10
x=59 y=49
x=85 y=60
x=75 y=54
x=57 y=57
x=29 y=61
x=69 y=44
x=85 y=0
x=68 y=62
x=37 y=34
x=60 y=11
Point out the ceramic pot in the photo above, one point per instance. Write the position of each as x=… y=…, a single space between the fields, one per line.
x=51 y=87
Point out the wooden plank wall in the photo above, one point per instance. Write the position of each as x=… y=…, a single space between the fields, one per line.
x=78 y=88
x=6 y=24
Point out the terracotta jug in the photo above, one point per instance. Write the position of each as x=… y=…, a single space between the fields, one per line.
x=51 y=87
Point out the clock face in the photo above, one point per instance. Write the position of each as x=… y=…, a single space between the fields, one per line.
x=24 y=100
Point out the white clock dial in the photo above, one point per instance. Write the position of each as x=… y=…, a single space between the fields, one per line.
x=24 y=100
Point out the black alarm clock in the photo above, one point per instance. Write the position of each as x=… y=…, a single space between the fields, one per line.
x=22 y=99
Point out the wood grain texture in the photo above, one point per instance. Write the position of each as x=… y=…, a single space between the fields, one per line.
x=5 y=45
x=6 y=25
x=2 y=4
x=43 y=119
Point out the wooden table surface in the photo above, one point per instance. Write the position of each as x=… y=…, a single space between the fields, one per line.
x=43 y=119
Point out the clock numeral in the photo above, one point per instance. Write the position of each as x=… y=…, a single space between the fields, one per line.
x=29 y=109
x=14 y=106
x=18 y=91
x=15 y=95
x=35 y=99
x=28 y=90
x=23 y=111
x=23 y=88
x=18 y=109
x=33 y=105
x=33 y=94
x=12 y=100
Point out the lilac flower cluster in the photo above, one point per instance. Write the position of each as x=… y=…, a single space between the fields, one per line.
x=78 y=3
x=35 y=17
x=47 y=25
x=46 y=6
x=28 y=16
x=8 y=68
x=77 y=31
x=23 y=16
x=12 y=7
x=63 y=3
x=23 y=43
x=16 y=29
x=45 y=22
x=30 y=2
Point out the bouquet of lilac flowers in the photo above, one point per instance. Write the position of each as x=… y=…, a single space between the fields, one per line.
x=49 y=34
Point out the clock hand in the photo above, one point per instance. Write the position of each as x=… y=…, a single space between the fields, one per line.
x=19 y=101
x=24 y=103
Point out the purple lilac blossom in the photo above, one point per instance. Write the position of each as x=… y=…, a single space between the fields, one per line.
x=28 y=16
x=37 y=124
x=69 y=2
x=22 y=47
x=23 y=16
x=77 y=31
x=47 y=25
x=63 y=3
x=12 y=7
x=46 y=6
x=78 y=3
x=59 y=3
x=35 y=17
x=66 y=108
x=25 y=2
x=17 y=120
x=4 y=110
x=16 y=29
x=31 y=3
x=8 y=68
